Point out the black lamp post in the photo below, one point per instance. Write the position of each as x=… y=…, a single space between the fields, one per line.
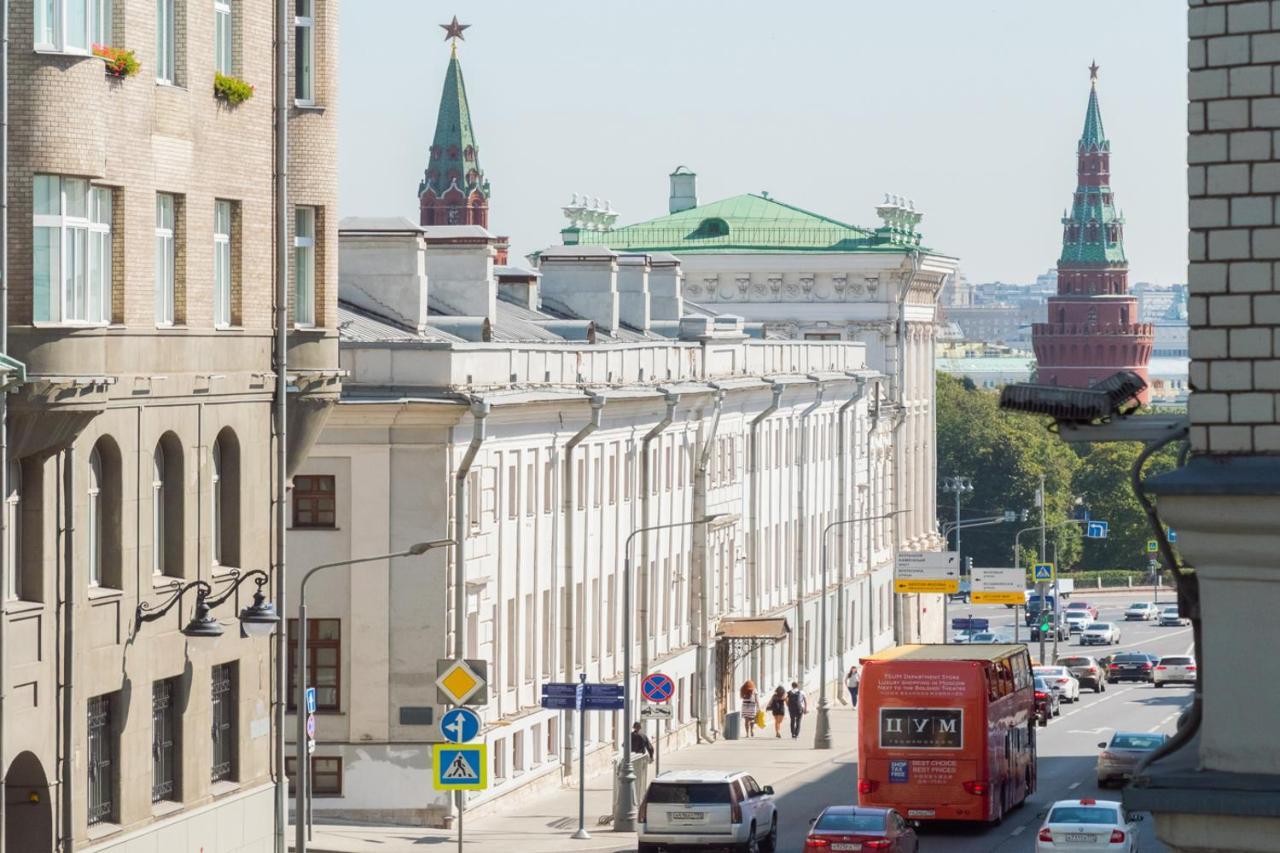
x=256 y=620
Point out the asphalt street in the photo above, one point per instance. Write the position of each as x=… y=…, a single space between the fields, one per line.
x=1068 y=747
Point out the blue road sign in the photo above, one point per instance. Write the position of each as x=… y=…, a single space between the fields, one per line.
x=457 y=766
x=603 y=703
x=560 y=688
x=965 y=623
x=1173 y=536
x=603 y=691
x=560 y=703
x=459 y=725
x=1043 y=572
x=311 y=700
x=1096 y=530
x=658 y=687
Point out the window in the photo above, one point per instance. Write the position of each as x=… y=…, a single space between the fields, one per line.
x=597 y=486
x=225 y=477
x=71 y=252
x=513 y=647
x=72 y=26
x=304 y=30
x=547 y=633
x=13 y=532
x=611 y=624
x=165 y=43
x=225 y=737
x=222 y=263
x=529 y=637
x=157 y=511
x=304 y=267
x=102 y=750
x=324 y=654
x=548 y=483
x=326 y=775
x=313 y=501
x=513 y=491
x=164 y=740
x=222 y=36
x=164 y=259
x=167 y=538
x=530 y=489
x=94 y=521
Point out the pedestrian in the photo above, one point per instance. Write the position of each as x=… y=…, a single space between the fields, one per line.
x=851 y=681
x=640 y=742
x=797 y=707
x=778 y=708
x=750 y=705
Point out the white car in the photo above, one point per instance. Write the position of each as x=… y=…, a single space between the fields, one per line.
x=707 y=808
x=1144 y=611
x=991 y=637
x=1175 y=669
x=1060 y=681
x=1084 y=826
x=1171 y=616
x=1077 y=619
x=1099 y=634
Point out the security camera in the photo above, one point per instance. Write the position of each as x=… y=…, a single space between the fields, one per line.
x=1102 y=412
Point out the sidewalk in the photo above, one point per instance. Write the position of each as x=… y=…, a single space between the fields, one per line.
x=545 y=824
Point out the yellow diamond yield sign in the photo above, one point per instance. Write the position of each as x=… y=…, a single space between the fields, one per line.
x=459 y=682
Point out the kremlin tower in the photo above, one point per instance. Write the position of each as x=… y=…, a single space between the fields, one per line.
x=1092 y=329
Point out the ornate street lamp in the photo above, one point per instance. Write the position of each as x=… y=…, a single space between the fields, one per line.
x=256 y=620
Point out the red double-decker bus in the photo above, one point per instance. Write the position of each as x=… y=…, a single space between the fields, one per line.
x=947 y=732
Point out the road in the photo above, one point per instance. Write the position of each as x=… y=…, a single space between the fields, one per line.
x=1068 y=747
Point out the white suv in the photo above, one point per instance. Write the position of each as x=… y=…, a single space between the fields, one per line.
x=707 y=808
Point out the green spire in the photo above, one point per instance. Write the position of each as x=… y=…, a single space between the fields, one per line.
x=1093 y=136
x=1093 y=229
x=454 y=157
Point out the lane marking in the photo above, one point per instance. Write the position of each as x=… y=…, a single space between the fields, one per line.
x=1019 y=830
x=1073 y=786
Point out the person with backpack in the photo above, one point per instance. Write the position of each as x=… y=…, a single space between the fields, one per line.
x=777 y=706
x=797 y=707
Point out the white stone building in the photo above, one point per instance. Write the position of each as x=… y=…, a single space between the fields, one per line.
x=564 y=381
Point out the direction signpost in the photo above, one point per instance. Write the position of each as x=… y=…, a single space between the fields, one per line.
x=460 y=682
x=927 y=571
x=998 y=586
x=567 y=696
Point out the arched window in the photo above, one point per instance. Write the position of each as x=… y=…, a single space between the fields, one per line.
x=226 y=499
x=94 y=519
x=102 y=522
x=13 y=532
x=167 y=541
x=157 y=511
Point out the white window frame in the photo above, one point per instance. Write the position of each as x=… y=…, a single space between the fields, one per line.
x=222 y=35
x=165 y=44
x=55 y=31
x=95 y=519
x=157 y=511
x=78 y=275
x=165 y=258
x=222 y=263
x=304 y=267
x=304 y=39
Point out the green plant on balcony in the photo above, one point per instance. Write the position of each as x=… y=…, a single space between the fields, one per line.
x=120 y=62
x=233 y=90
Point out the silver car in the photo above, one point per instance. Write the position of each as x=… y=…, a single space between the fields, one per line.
x=1099 y=634
x=707 y=808
x=1121 y=755
x=1171 y=617
x=1144 y=611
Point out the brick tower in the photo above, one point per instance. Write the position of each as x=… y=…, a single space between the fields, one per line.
x=1092 y=329
x=454 y=190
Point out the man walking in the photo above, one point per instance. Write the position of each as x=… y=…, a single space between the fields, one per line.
x=852 y=680
x=797 y=707
x=640 y=743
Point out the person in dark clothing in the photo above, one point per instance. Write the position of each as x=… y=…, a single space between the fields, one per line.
x=640 y=741
x=778 y=708
x=797 y=706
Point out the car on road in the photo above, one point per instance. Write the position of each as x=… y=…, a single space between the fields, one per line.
x=1121 y=755
x=707 y=808
x=840 y=828
x=1143 y=611
x=1060 y=679
x=1047 y=701
x=1088 y=825
x=1077 y=619
x=991 y=637
x=1087 y=671
x=1084 y=607
x=1174 y=669
x=961 y=594
x=1099 y=634
x=1171 y=617
x=1130 y=666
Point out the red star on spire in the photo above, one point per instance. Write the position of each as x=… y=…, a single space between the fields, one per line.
x=453 y=30
x=1093 y=68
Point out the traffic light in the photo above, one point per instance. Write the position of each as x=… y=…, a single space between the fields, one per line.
x=968 y=565
x=1044 y=625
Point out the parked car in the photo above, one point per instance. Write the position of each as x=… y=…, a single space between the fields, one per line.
x=1087 y=671
x=1085 y=607
x=707 y=808
x=1099 y=634
x=1171 y=617
x=1047 y=702
x=1121 y=755
x=1143 y=611
x=1088 y=825
x=1060 y=679
x=1130 y=666
x=1175 y=669
x=860 y=828
x=1077 y=619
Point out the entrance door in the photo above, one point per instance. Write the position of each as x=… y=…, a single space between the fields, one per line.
x=28 y=814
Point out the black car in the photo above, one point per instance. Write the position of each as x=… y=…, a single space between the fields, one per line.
x=1130 y=666
x=1047 y=701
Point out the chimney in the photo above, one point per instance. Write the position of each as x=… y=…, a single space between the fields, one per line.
x=684 y=191
x=582 y=282
x=381 y=269
x=460 y=268
x=518 y=286
x=666 y=287
x=633 y=291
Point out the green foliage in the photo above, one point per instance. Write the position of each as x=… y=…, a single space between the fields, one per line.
x=1088 y=580
x=1103 y=480
x=233 y=90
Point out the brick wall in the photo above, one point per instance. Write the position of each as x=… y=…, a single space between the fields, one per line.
x=1234 y=186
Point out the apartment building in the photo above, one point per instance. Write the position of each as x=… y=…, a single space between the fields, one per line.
x=597 y=403
x=141 y=259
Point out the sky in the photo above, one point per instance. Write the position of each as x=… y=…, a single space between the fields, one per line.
x=972 y=109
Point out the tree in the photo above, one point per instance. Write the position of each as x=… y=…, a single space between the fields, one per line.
x=1103 y=480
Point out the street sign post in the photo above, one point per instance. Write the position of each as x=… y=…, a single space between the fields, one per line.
x=926 y=571
x=311 y=700
x=1044 y=573
x=649 y=711
x=1096 y=530
x=459 y=725
x=657 y=687
x=998 y=586
x=460 y=767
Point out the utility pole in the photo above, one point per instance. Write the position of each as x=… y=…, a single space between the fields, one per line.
x=1042 y=587
x=958 y=485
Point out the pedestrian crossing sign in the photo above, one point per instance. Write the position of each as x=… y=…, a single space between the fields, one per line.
x=459 y=766
x=1044 y=573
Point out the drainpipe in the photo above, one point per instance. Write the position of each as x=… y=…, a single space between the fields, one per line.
x=479 y=412
x=842 y=478
x=568 y=617
x=698 y=565
x=646 y=635
x=802 y=531
x=753 y=519
x=872 y=510
x=899 y=457
x=69 y=779
x=4 y=398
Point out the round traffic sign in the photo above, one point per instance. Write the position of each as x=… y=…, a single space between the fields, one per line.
x=311 y=725
x=459 y=725
x=658 y=687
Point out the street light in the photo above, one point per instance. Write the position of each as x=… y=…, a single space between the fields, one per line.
x=302 y=771
x=960 y=486
x=256 y=620
x=822 y=731
x=624 y=811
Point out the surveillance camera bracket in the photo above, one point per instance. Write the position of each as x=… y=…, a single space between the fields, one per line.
x=1141 y=428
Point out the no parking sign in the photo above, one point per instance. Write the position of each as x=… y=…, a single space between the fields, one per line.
x=658 y=687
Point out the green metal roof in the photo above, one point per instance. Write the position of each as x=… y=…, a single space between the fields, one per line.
x=1093 y=231
x=744 y=223
x=454 y=140
x=1093 y=136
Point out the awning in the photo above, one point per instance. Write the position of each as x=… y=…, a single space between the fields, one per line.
x=750 y=628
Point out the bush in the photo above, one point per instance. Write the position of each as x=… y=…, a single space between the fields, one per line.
x=1110 y=578
x=233 y=90
x=120 y=62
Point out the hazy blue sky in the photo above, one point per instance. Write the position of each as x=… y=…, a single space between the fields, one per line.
x=970 y=108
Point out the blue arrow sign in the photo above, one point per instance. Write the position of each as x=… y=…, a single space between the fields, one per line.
x=1096 y=530
x=459 y=725
x=1173 y=535
x=311 y=700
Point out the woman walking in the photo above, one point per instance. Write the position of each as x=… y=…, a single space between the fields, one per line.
x=778 y=708
x=852 y=680
x=750 y=706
